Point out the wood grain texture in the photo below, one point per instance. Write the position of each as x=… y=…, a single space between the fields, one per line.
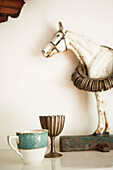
x=85 y=143
x=10 y=8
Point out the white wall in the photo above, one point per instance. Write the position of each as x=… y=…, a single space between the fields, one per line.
x=31 y=85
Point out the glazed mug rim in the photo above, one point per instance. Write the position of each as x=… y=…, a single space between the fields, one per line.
x=36 y=131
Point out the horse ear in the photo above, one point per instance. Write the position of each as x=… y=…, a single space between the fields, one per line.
x=61 y=27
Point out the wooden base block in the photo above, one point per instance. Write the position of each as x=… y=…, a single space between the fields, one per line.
x=85 y=143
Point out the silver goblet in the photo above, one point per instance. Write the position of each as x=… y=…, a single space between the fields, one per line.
x=55 y=125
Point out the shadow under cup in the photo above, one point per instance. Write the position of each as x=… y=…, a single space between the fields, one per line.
x=31 y=145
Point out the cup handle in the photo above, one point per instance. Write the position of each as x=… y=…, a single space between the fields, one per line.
x=9 y=139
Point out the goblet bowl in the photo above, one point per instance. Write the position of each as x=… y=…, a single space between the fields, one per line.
x=54 y=125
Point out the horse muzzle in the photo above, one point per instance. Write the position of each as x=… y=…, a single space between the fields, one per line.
x=49 y=50
x=49 y=53
x=45 y=54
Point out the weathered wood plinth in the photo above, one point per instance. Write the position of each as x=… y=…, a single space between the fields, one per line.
x=86 y=143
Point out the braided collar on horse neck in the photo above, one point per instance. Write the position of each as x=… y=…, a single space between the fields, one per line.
x=63 y=38
x=82 y=81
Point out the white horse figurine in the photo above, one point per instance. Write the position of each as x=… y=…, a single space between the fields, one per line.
x=98 y=60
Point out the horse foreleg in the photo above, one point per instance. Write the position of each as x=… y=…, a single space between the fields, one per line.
x=105 y=112
x=100 y=110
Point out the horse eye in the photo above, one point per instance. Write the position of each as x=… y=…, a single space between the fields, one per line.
x=58 y=35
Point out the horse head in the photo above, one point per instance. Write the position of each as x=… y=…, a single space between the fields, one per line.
x=57 y=43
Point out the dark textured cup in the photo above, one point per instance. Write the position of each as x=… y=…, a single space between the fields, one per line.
x=54 y=125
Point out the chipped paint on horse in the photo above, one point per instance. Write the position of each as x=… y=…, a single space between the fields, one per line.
x=97 y=59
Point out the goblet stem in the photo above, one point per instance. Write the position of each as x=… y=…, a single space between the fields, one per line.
x=52 y=144
x=52 y=153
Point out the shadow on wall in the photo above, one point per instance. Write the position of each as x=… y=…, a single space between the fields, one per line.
x=81 y=95
x=45 y=38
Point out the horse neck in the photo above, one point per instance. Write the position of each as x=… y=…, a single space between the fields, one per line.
x=83 y=48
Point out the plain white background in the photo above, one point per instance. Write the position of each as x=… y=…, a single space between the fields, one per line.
x=31 y=85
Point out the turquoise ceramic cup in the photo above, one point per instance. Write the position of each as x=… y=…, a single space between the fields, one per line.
x=31 y=145
x=32 y=139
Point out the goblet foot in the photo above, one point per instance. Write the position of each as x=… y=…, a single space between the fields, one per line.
x=53 y=155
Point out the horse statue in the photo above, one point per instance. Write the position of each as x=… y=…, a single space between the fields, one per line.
x=94 y=72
